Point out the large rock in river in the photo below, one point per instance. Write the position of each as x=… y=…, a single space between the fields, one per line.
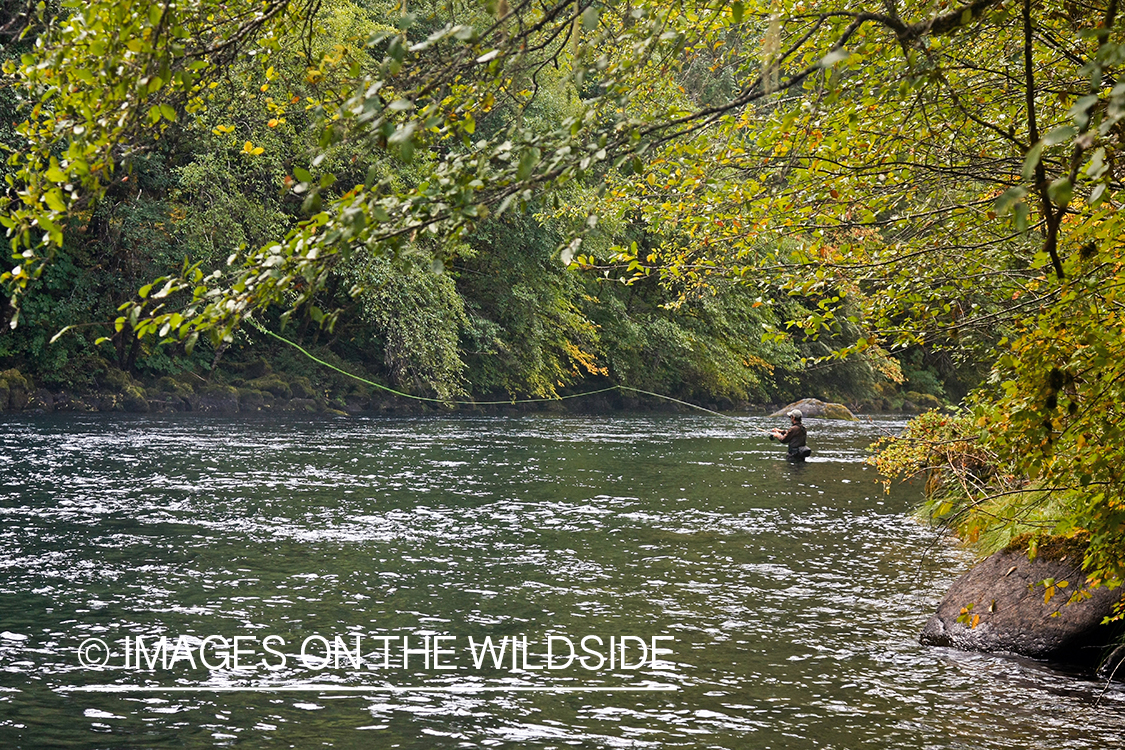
x=814 y=407
x=1038 y=608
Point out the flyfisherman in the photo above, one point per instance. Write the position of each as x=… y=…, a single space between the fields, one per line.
x=795 y=437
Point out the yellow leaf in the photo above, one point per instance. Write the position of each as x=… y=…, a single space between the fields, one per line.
x=247 y=147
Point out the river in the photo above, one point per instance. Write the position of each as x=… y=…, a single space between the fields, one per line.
x=784 y=602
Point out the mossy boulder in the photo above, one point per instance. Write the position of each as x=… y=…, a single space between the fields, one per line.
x=814 y=407
x=838 y=411
x=301 y=387
x=115 y=380
x=175 y=387
x=874 y=406
x=272 y=383
x=250 y=399
x=134 y=399
x=107 y=402
x=922 y=401
x=125 y=393
x=18 y=390
x=15 y=379
x=216 y=398
x=302 y=406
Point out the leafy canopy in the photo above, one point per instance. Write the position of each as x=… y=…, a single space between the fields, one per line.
x=924 y=173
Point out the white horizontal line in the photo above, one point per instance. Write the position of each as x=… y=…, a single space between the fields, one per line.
x=316 y=688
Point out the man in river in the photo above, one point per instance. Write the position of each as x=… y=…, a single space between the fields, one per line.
x=794 y=437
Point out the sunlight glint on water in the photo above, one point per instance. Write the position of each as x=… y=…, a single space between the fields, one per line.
x=794 y=594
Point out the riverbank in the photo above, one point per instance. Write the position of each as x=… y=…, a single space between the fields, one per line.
x=257 y=388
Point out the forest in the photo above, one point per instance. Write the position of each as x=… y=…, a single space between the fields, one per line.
x=898 y=205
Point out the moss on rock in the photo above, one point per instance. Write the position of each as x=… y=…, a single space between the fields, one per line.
x=250 y=399
x=175 y=387
x=302 y=388
x=838 y=411
x=115 y=380
x=922 y=401
x=272 y=383
x=134 y=399
x=15 y=390
x=1046 y=547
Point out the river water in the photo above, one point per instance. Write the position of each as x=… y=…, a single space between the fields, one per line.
x=789 y=598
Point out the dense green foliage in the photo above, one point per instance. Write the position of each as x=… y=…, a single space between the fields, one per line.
x=493 y=310
x=701 y=198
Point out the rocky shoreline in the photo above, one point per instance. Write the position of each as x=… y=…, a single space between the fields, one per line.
x=257 y=389
x=262 y=391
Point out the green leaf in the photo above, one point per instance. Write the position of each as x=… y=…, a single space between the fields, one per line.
x=1097 y=195
x=1031 y=161
x=1010 y=197
x=1084 y=103
x=833 y=57
x=54 y=200
x=58 y=335
x=528 y=160
x=1021 y=212
x=403 y=133
x=1060 y=134
x=1061 y=191
x=1096 y=167
x=590 y=18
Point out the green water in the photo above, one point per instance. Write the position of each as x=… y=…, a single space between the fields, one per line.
x=790 y=596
